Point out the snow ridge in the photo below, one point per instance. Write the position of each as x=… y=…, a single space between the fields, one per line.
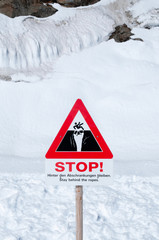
x=36 y=41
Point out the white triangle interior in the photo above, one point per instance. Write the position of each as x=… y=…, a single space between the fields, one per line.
x=79 y=118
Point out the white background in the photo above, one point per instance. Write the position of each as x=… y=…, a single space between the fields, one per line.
x=107 y=169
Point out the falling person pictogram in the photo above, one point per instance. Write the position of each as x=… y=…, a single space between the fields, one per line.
x=79 y=140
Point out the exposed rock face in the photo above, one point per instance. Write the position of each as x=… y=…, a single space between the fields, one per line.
x=14 y=8
x=122 y=33
x=76 y=3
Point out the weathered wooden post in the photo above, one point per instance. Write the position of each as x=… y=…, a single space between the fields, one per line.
x=79 y=213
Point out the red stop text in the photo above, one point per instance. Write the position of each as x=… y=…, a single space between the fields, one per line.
x=79 y=166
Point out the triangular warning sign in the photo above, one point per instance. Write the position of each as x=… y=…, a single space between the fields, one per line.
x=79 y=137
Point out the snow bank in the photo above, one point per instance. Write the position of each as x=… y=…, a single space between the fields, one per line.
x=36 y=41
x=146 y=13
x=28 y=42
x=144 y=6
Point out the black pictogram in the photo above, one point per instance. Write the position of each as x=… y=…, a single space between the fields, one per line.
x=79 y=140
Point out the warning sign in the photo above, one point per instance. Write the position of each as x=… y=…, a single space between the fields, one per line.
x=79 y=155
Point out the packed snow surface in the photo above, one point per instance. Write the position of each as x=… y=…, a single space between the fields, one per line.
x=45 y=65
x=127 y=210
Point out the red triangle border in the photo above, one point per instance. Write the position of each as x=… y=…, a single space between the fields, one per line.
x=106 y=153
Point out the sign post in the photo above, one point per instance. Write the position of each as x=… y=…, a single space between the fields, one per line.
x=79 y=213
x=79 y=156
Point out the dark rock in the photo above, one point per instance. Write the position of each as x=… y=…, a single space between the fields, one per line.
x=122 y=33
x=5 y=78
x=6 y=7
x=42 y=11
x=76 y=3
x=151 y=26
x=47 y=1
x=15 y=8
x=138 y=39
x=147 y=27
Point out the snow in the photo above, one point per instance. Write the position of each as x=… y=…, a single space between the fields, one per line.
x=144 y=6
x=31 y=210
x=121 y=98
x=118 y=83
x=32 y=43
x=146 y=12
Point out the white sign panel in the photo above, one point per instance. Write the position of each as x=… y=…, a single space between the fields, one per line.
x=79 y=172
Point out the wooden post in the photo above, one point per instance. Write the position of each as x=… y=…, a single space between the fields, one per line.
x=79 y=213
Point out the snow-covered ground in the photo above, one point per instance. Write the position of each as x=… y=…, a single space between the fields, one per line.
x=127 y=210
x=45 y=65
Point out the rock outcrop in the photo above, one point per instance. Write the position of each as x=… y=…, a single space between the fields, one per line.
x=122 y=33
x=15 y=8
x=76 y=3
